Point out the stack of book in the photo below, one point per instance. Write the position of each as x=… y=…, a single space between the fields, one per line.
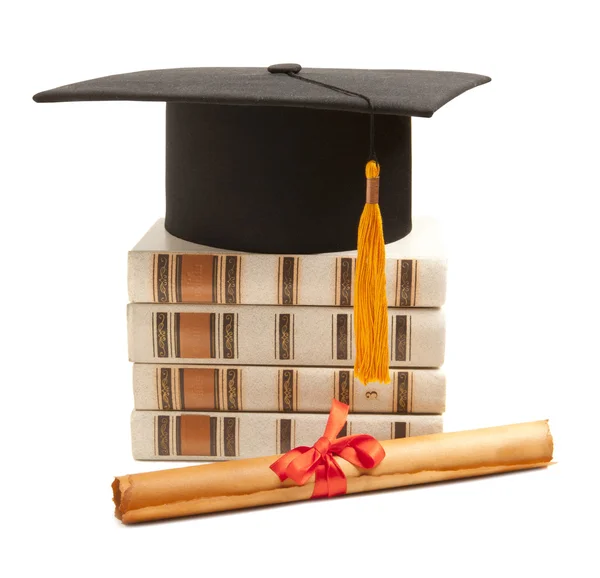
x=240 y=354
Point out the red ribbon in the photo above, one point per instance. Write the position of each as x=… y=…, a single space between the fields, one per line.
x=299 y=464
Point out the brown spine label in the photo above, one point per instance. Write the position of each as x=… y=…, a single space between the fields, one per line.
x=229 y=335
x=195 y=335
x=166 y=395
x=163 y=435
x=285 y=435
x=401 y=337
x=175 y=341
x=288 y=390
x=233 y=389
x=231 y=281
x=198 y=388
x=284 y=336
x=344 y=270
x=196 y=278
x=196 y=435
x=400 y=430
x=230 y=437
x=402 y=391
x=161 y=327
x=405 y=293
x=213 y=436
x=342 y=338
x=344 y=381
x=161 y=280
x=288 y=281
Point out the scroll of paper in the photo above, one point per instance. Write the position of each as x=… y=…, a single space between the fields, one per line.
x=233 y=485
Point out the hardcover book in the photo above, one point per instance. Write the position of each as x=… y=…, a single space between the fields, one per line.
x=165 y=269
x=275 y=335
x=283 y=389
x=216 y=436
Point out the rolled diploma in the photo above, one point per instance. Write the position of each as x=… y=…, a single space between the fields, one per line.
x=239 y=484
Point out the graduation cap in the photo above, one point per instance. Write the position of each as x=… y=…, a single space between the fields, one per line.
x=272 y=160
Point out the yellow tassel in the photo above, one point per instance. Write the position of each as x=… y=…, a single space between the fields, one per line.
x=370 y=299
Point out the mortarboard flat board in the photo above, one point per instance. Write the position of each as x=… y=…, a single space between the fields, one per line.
x=258 y=161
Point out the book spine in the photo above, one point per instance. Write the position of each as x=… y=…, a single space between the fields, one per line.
x=287 y=389
x=272 y=335
x=276 y=280
x=216 y=436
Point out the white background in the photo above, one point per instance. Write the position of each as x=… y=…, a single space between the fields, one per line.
x=509 y=168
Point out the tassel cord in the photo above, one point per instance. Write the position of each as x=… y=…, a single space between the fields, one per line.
x=372 y=155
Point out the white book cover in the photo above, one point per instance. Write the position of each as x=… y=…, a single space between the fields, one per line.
x=165 y=269
x=275 y=335
x=187 y=387
x=227 y=436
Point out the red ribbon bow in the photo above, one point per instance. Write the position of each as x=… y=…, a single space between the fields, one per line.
x=299 y=464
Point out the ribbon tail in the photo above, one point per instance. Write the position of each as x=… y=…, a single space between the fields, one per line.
x=336 y=420
x=321 y=486
x=330 y=480
x=336 y=479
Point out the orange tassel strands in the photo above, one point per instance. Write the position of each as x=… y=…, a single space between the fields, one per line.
x=370 y=299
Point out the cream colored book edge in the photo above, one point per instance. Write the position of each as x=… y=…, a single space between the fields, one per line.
x=275 y=335
x=227 y=436
x=288 y=389
x=164 y=269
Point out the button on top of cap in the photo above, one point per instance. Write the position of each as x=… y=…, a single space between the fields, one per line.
x=284 y=68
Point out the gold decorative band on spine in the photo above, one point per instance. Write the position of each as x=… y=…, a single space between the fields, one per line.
x=373 y=191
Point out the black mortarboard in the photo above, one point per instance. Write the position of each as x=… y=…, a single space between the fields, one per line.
x=283 y=170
